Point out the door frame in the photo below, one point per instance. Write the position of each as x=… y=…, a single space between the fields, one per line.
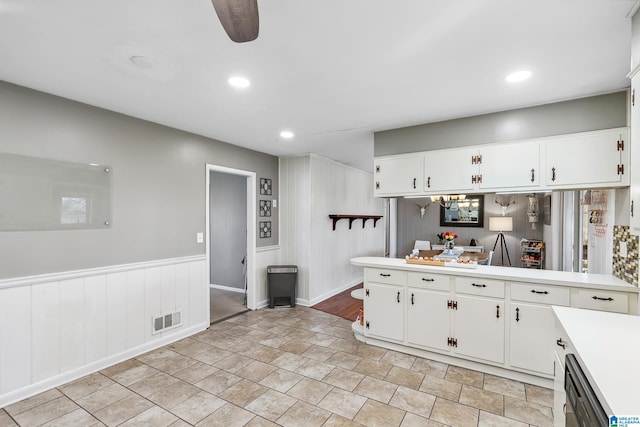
x=251 y=229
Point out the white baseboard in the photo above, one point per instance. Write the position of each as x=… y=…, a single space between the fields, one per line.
x=227 y=288
x=333 y=292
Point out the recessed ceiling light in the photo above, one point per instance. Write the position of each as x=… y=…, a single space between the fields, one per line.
x=518 y=76
x=142 y=61
x=286 y=134
x=239 y=82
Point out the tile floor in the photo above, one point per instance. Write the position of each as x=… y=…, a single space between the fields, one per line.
x=224 y=304
x=288 y=367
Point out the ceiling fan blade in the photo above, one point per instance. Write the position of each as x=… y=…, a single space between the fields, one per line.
x=239 y=18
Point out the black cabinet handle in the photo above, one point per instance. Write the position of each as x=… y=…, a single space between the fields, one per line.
x=385 y=275
x=428 y=280
x=428 y=182
x=517 y=314
x=560 y=343
x=602 y=299
x=533 y=175
x=398 y=296
x=533 y=291
x=412 y=296
x=497 y=311
x=414 y=183
x=479 y=286
x=553 y=174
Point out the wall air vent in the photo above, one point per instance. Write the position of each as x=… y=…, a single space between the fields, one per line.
x=167 y=321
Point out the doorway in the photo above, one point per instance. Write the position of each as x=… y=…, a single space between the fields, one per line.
x=230 y=244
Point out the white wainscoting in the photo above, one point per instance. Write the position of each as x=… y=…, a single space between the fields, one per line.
x=58 y=327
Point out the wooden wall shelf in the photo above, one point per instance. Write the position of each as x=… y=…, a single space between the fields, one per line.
x=352 y=218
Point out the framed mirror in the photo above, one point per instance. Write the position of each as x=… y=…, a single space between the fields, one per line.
x=463 y=213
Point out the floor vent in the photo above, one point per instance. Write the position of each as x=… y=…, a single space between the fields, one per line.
x=167 y=321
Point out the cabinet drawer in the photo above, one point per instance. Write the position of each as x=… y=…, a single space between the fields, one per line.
x=436 y=282
x=596 y=299
x=544 y=294
x=484 y=287
x=391 y=277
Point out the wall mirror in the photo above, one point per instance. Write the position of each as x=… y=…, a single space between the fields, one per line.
x=468 y=212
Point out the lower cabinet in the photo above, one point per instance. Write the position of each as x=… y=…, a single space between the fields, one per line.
x=479 y=328
x=384 y=311
x=531 y=337
x=428 y=318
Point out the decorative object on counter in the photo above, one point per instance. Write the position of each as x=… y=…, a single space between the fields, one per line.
x=351 y=218
x=533 y=211
x=473 y=242
x=461 y=262
x=501 y=224
x=462 y=212
x=265 y=186
x=449 y=242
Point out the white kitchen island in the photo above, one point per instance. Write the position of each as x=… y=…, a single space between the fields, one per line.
x=494 y=319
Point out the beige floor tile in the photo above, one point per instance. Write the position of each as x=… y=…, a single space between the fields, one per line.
x=179 y=423
x=258 y=421
x=347 y=380
x=454 y=414
x=275 y=341
x=492 y=420
x=336 y=420
x=413 y=401
x=398 y=359
x=6 y=420
x=134 y=374
x=121 y=367
x=482 y=399
x=271 y=404
x=343 y=403
x=194 y=348
x=218 y=382
x=262 y=353
x=373 y=368
x=281 y=380
x=344 y=360
x=174 y=394
x=321 y=340
x=376 y=389
x=310 y=390
x=370 y=352
x=175 y=364
x=157 y=357
x=289 y=361
x=465 y=376
x=33 y=401
x=303 y=414
x=255 y=371
x=154 y=416
x=314 y=369
x=228 y=415
x=441 y=387
x=405 y=377
x=213 y=355
x=234 y=363
x=296 y=346
x=46 y=412
x=321 y=354
x=430 y=367
x=345 y=345
x=413 y=420
x=104 y=397
x=153 y=384
x=376 y=414
x=242 y=392
x=541 y=395
x=194 y=373
x=79 y=417
x=528 y=412
x=123 y=410
x=504 y=386
x=198 y=407
x=85 y=386
x=301 y=335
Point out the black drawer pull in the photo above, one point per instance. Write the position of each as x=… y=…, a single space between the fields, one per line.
x=497 y=311
x=398 y=296
x=412 y=297
x=428 y=280
x=533 y=291
x=560 y=343
x=385 y=275
x=479 y=286
x=602 y=299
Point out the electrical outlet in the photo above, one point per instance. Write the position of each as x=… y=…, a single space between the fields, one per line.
x=199 y=237
x=274 y=203
x=623 y=249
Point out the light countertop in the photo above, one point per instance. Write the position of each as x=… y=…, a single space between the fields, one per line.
x=607 y=346
x=565 y=278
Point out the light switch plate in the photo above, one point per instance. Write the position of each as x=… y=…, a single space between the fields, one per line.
x=199 y=237
x=275 y=203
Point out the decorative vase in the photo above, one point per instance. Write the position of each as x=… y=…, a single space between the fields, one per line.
x=448 y=246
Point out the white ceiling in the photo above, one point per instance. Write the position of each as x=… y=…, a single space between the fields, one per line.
x=332 y=71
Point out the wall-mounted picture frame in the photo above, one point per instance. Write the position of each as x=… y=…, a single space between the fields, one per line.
x=265 y=208
x=468 y=212
x=265 y=186
x=265 y=229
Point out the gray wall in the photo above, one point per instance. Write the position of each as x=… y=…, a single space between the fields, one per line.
x=158 y=183
x=581 y=115
x=228 y=240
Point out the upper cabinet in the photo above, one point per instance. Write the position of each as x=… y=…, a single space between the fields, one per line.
x=450 y=170
x=400 y=175
x=590 y=159
x=514 y=165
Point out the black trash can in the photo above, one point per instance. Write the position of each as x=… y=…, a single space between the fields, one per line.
x=281 y=285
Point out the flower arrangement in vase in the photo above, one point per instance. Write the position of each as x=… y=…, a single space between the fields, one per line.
x=449 y=239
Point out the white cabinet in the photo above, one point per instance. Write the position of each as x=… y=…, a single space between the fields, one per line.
x=590 y=159
x=398 y=175
x=428 y=318
x=384 y=304
x=513 y=165
x=635 y=156
x=450 y=171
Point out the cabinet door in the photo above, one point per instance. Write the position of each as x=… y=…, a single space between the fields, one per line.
x=592 y=159
x=635 y=157
x=531 y=337
x=450 y=171
x=384 y=311
x=512 y=165
x=428 y=318
x=398 y=175
x=479 y=328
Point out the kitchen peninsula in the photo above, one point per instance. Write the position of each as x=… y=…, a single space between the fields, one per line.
x=493 y=319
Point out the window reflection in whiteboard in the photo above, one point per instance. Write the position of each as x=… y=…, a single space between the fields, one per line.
x=74 y=210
